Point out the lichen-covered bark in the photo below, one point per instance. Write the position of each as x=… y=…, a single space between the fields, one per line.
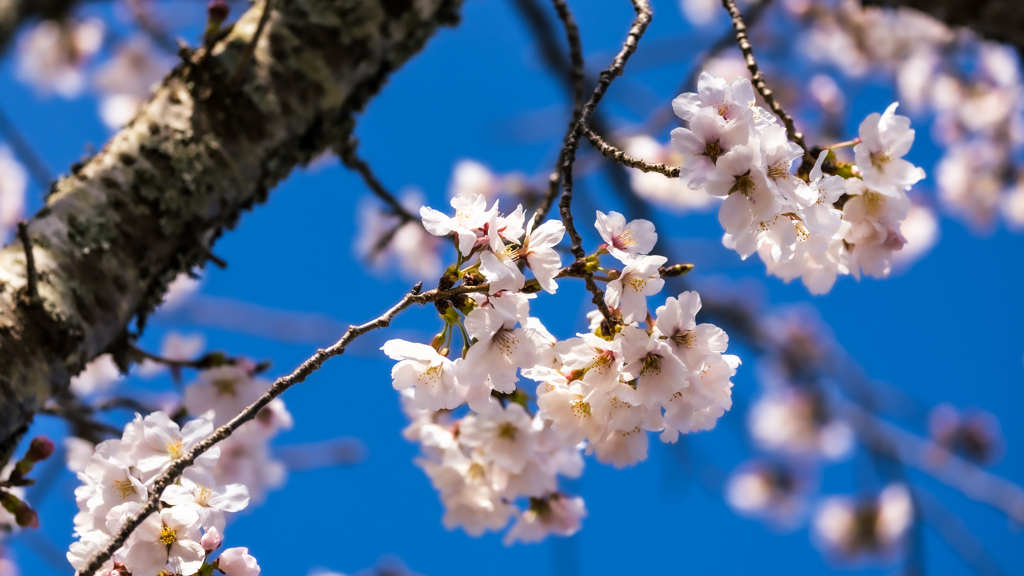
x=14 y=13
x=999 y=20
x=201 y=151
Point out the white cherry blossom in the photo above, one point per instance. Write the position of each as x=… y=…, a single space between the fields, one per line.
x=708 y=139
x=638 y=280
x=200 y=491
x=160 y=442
x=470 y=215
x=885 y=139
x=626 y=241
x=431 y=375
x=168 y=539
x=652 y=363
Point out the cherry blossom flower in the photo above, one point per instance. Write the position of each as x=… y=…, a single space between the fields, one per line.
x=431 y=375
x=885 y=139
x=98 y=376
x=638 y=280
x=161 y=442
x=225 y=390
x=51 y=56
x=500 y=264
x=539 y=250
x=565 y=404
x=622 y=447
x=504 y=435
x=500 y=349
x=691 y=342
x=651 y=362
x=556 y=514
x=626 y=241
x=874 y=232
x=851 y=529
x=778 y=154
x=470 y=214
x=708 y=139
x=169 y=539
x=200 y=491
x=732 y=101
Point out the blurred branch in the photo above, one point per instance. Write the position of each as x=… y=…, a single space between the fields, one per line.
x=956 y=534
x=936 y=461
x=345 y=451
x=25 y=152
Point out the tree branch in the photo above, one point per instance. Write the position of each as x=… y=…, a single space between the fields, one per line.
x=353 y=161
x=116 y=231
x=577 y=78
x=609 y=151
x=757 y=77
x=572 y=142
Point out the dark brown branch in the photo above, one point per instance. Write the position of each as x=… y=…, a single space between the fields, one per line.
x=285 y=382
x=757 y=77
x=31 y=287
x=572 y=142
x=609 y=151
x=577 y=77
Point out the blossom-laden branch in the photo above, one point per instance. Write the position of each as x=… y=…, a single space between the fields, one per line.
x=609 y=151
x=572 y=142
x=757 y=77
x=415 y=296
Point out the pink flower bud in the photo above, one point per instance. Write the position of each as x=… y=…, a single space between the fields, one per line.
x=212 y=539
x=238 y=562
x=40 y=448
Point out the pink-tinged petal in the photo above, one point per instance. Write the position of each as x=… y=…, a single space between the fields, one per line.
x=230 y=498
x=186 y=557
x=613 y=293
x=146 y=559
x=435 y=222
x=686 y=142
x=180 y=518
x=196 y=430
x=547 y=235
x=483 y=323
x=177 y=496
x=687 y=105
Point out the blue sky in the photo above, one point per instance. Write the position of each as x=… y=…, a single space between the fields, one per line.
x=946 y=330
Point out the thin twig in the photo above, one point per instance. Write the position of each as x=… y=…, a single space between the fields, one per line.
x=577 y=78
x=572 y=143
x=609 y=151
x=36 y=167
x=211 y=360
x=956 y=534
x=352 y=160
x=30 y=263
x=757 y=77
x=250 y=49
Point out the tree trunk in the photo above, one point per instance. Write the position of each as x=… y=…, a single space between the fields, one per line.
x=149 y=205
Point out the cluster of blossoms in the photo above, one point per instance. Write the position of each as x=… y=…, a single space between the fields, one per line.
x=118 y=478
x=813 y=228
x=599 y=392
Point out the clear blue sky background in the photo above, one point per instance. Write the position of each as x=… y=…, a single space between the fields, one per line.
x=947 y=330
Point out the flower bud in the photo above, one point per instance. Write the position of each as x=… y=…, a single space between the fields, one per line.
x=211 y=540
x=218 y=11
x=238 y=562
x=39 y=449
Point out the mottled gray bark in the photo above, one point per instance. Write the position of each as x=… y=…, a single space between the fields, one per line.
x=999 y=20
x=200 y=152
x=14 y=13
